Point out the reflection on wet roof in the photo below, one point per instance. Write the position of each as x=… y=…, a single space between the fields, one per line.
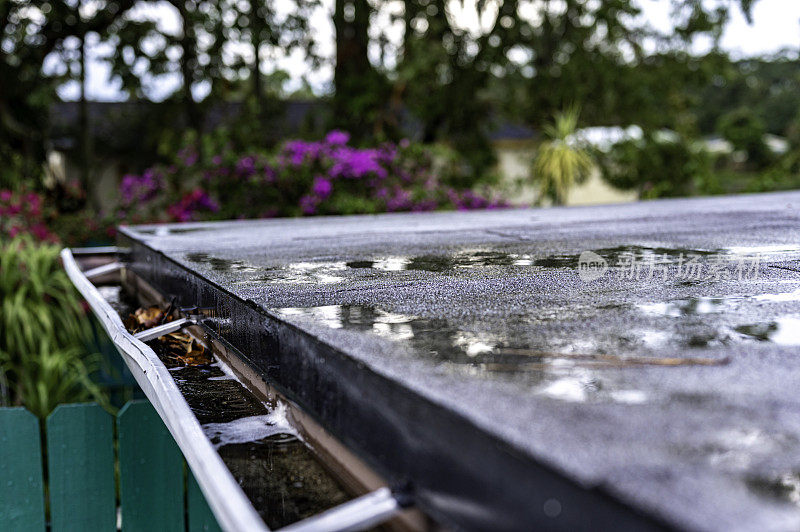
x=571 y=372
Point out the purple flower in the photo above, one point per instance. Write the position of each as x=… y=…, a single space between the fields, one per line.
x=400 y=201
x=188 y=155
x=355 y=164
x=308 y=204
x=469 y=200
x=143 y=188
x=298 y=150
x=322 y=187
x=190 y=204
x=246 y=166
x=337 y=137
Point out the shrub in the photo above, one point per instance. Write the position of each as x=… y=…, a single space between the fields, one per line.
x=45 y=331
x=300 y=178
x=24 y=213
x=657 y=166
x=746 y=131
x=561 y=162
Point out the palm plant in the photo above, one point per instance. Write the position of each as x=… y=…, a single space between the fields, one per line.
x=45 y=332
x=561 y=162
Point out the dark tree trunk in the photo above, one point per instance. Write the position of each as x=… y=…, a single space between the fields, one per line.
x=409 y=12
x=255 y=37
x=83 y=123
x=353 y=75
x=188 y=63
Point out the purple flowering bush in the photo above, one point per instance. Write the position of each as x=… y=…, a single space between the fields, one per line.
x=42 y=216
x=24 y=213
x=141 y=188
x=329 y=176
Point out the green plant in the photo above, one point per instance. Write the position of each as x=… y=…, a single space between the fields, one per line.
x=745 y=131
x=561 y=162
x=659 y=165
x=43 y=346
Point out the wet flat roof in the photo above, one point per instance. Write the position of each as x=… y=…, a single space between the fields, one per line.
x=647 y=354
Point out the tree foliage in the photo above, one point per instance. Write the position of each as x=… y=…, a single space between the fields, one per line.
x=745 y=131
x=528 y=60
x=442 y=79
x=768 y=87
x=31 y=33
x=657 y=166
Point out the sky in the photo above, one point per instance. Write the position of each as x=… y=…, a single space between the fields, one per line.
x=776 y=25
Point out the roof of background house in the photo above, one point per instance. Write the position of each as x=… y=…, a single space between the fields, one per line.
x=298 y=116
x=505 y=130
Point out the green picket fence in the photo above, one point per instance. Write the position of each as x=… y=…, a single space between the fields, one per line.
x=84 y=480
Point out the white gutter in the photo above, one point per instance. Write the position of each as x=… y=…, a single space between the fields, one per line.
x=224 y=495
x=365 y=512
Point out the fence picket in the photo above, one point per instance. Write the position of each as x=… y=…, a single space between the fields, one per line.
x=201 y=518
x=80 y=457
x=151 y=471
x=21 y=487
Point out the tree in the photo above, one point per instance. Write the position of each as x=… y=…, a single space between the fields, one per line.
x=31 y=33
x=657 y=165
x=220 y=50
x=604 y=56
x=769 y=87
x=745 y=131
x=267 y=30
x=527 y=61
x=360 y=91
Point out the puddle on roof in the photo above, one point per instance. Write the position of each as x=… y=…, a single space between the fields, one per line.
x=694 y=306
x=572 y=371
x=328 y=272
x=448 y=343
x=218 y=264
x=783 y=487
x=442 y=263
x=781 y=331
x=768 y=250
x=184 y=230
x=584 y=386
x=689 y=307
x=782 y=297
x=484 y=258
x=615 y=255
x=323 y=272
x=166 y=231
